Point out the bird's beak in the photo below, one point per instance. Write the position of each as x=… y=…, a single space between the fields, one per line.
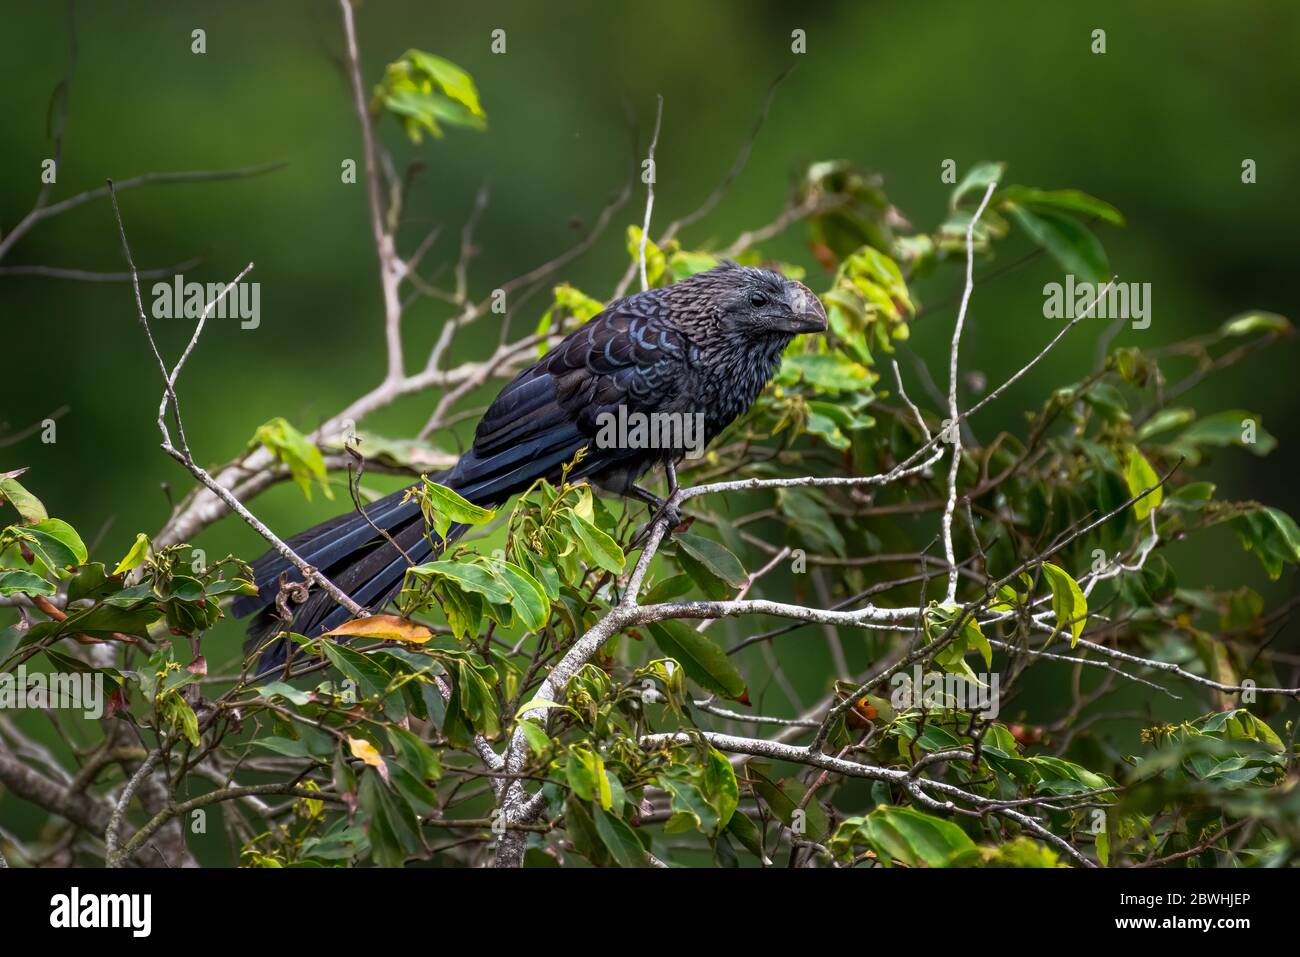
x=807 y=312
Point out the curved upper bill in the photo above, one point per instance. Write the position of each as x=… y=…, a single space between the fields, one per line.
x=809 y=315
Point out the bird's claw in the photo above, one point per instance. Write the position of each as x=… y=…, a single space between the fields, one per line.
x=671 y=514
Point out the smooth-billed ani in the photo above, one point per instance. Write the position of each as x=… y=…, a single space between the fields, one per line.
x=708 y=344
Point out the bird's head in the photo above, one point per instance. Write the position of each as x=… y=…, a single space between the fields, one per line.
x=760 y=302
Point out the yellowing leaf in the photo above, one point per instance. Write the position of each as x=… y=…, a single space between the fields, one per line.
x=308 y=807
x=425 y=91
x=383 y=628
x=1139 y=475
x=366 y=752
x=292 y=448
x=136 y=556
x=1068 y=600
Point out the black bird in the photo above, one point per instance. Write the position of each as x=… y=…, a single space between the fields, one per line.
x=708 y=344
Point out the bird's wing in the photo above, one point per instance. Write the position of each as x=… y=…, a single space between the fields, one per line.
x=550 y=410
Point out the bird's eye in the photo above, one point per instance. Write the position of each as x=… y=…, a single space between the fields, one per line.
x=757 y=299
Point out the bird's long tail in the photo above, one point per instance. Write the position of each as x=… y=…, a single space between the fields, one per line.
x=353 y=553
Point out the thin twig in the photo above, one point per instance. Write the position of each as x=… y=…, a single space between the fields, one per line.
x=653 y=172
x=953 y=426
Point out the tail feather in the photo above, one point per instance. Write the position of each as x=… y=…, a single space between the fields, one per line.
x=325 y=545
x=362 y=561
x=364 y=564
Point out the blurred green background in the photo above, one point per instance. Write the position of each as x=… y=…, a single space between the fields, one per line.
x=1158 y=125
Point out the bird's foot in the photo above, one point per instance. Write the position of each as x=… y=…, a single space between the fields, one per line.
x=671 y=514
x=661 y=509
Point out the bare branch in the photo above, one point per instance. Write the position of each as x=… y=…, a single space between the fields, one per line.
x=183 y=455
x=390 y=267
x=953 y=429
x=650 y=192
x=80 y=199
x=917 y=787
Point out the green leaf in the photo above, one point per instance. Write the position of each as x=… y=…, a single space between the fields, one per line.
x=703 y=798
x=1229 y=428
x=29 y=506
x=371 y=678
x=619 y=838
x=715 y=557
x=56 y=543
x=16 y=581
x=136 y=556
x=977 y=180
x=1272 y=535
x=709 y=583
x=181 y=717
x=868 y=303
x=528 y=598
x=832 y=371
x=537 y=739
x=902 y=835
x=541 y=704
x=423 y=90
x=467 y=576
x=600 y=548
x=685 y=264
x=68 y=663
x=1024 y=852
x=1239 y=724
x=951 y=658
x=1065 y=200
x=586 y=775
x=414 y=754
x=825 y=428
x=473 y=687
x=706 y=664
x=747 y=833
x=784 y=800
x=720 y=786
x=455 y=82
x=1139 y=475
x=339 y=843
x=691 y=809
x=1251 y=322
x=1066 y=240
x=581 y=830
x=1065 y=777
x=1068 y=601
x=290 y=447
x=290 y=747
x=9 y=639
x=1164 y=420
x=442 y=506
x=393 y=828
x=804 y=509
x=415 y=455
x=668 y=588
x=281 y=689
x=98 y=621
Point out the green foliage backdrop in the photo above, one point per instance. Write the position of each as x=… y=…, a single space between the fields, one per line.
x=893 y=91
